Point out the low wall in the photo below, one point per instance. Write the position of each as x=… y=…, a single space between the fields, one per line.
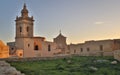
x=35 y=58
x=38 y=58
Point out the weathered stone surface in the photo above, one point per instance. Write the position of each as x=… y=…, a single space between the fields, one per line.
x=117 y=55
x=101 y=61
x=6 y=69
x=93 y=68
x=114 y=62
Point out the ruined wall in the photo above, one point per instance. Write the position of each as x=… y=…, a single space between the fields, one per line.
x=12 y=48
x=117 y=55
x=49 y=49
x=93 y=48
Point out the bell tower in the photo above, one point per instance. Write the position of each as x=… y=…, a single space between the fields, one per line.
x=24 y=24
x=24 y=33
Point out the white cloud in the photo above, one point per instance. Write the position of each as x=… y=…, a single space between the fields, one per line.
x=98 y=23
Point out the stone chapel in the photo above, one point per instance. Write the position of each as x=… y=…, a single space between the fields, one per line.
x=28 y=45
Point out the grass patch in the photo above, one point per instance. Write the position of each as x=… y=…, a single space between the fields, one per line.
x=69 y=66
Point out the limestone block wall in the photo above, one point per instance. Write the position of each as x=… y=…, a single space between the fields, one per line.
x=28 y=49
x=27 y=45
x=93 y=48
x=117 y=55
x=49 y=49
x=38 y=43
x=19 y=43
x=12 y=48
x=19 y=53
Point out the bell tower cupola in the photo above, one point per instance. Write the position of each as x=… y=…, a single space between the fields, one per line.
x=24 y=12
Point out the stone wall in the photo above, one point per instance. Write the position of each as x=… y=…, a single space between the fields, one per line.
x=93 y=48
x=117 y=55
x=36 y=58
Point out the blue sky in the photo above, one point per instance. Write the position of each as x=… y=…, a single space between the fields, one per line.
x=79 y=20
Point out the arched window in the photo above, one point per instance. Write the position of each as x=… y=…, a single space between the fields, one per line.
x=20 y=29
x=49 y=48
x=27 y=29
x=36 y=47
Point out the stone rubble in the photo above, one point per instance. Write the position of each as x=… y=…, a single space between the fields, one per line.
x=6 y=69
x=114 y=62
x=101 y=61
x=93 y=68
